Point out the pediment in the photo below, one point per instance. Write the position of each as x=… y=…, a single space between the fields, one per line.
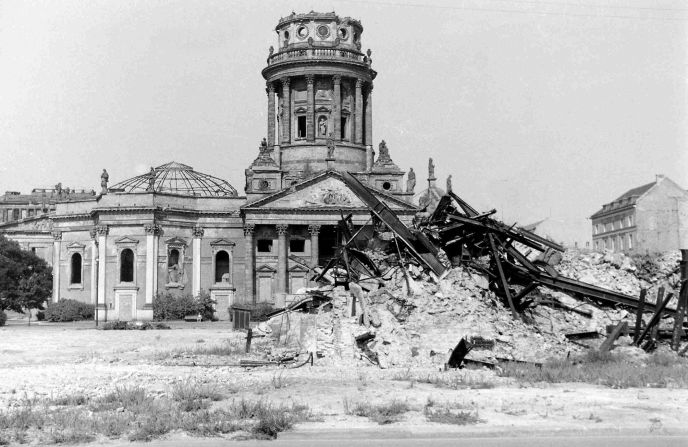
x=75 y=246
x=298 y=268
x=326 y=191
x=223 y=242
x=126 y=240
x=265 y=269
x=175 y=241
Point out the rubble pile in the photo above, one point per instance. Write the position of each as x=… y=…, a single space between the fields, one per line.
x=456 y=283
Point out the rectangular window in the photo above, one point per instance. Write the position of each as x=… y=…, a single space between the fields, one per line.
x=297 y=245
x=264 y=245
x=301 y=127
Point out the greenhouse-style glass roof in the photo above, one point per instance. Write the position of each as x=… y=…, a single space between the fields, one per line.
x=177 y=178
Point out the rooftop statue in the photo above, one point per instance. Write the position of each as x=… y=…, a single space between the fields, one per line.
x=411 y=181
x=104 y=178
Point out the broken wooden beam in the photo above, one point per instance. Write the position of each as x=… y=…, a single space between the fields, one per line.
x=639 y=313
x=654 y=320
x=582 y=335
x=609 y=342
x=502 y=277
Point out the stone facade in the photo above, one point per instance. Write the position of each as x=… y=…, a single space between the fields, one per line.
x=645 y=219
x=180 y=231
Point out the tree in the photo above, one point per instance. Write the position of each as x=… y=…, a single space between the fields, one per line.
x=25 y=279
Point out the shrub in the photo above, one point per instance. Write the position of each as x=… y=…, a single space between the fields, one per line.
x=69 y=310
x=3 y=318
x=175 y=307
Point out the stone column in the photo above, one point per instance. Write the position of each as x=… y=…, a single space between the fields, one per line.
x=369 y=116
x=282 y=258
x=271 y=114
x=151 y=264
x=286 y=110
x=57 y=246
x=310 y=113
x=249 y=265
x=358 y=133
x=196 y=248
x=94 y=266
x=102 y=231
x=337 y=108
x=314 y=230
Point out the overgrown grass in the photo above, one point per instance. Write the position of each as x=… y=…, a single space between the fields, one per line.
x=134 y=414
x=453 y=414
x=385 y=413
x=230 y=347
x=615 y=370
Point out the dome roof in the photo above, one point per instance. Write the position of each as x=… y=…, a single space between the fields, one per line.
x=177 y=178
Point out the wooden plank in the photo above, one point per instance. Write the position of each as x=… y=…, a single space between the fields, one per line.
x=609 y=342
x=658 y=303
x=654 y=320
x=502 y=277
x=249 y=336
x=680 y=316
x=639 y=313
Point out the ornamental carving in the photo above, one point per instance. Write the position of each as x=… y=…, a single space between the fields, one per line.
x=309 y=79
x=57 y=235
x=152 y=229
x=197 y=231
x=249 y=229
x=282 y=229
x=102 y=230
x=314 y=229
x=336 y=197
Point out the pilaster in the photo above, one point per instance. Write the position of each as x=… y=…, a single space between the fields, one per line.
x=286 y=110
x=151 y=288
x=337 y=108
x=282 y=258
x=270 y=89
x=369 y=116
x=314 y=230
x=250 y=265
x=358 y=119
x=57 y=248
x=94 y=266
x=102 y=232
x=196 y=267
x=310 y=113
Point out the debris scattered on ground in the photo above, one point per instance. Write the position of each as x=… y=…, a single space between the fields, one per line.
x=460 y=287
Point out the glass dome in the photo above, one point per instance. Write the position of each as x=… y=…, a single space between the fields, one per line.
x=177 y=178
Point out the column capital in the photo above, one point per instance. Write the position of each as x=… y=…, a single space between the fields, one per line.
x=57 y=235
x=285 y=81
x=337 y=79
x=359 y=82
x=152 y=229
x=282 y=229
x=197 y=231
x=314 y=229
x=269 y=88
x=94 y=234
x=249 y=229
x=310 y=78
x=102 y=230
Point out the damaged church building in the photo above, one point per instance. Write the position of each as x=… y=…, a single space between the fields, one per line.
x=177 y=230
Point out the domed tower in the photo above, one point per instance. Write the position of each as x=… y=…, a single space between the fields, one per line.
x=319 y=87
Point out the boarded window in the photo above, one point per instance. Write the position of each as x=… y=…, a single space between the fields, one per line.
x=221 y=265
x=126 y=266
x=75 y=277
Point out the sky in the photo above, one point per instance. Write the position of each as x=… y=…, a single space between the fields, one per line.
x=536 y=108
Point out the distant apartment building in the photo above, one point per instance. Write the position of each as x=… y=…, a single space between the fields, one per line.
x=644 y=219
x=15 y=206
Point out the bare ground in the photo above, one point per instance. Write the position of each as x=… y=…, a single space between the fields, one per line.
x=55 y=360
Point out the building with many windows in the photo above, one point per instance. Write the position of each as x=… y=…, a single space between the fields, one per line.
x=645 y=219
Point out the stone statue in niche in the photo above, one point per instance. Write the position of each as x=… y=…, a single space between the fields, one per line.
x=411 y=181
x=330 y=147
x=175 y=267
x=431 y=169
x=104 y=178
x=151 y=180
x=449 y=184
x=322 y=126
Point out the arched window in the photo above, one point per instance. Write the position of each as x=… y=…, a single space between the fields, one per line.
x=75 y=277
x=126 y=266
x=221 y=265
